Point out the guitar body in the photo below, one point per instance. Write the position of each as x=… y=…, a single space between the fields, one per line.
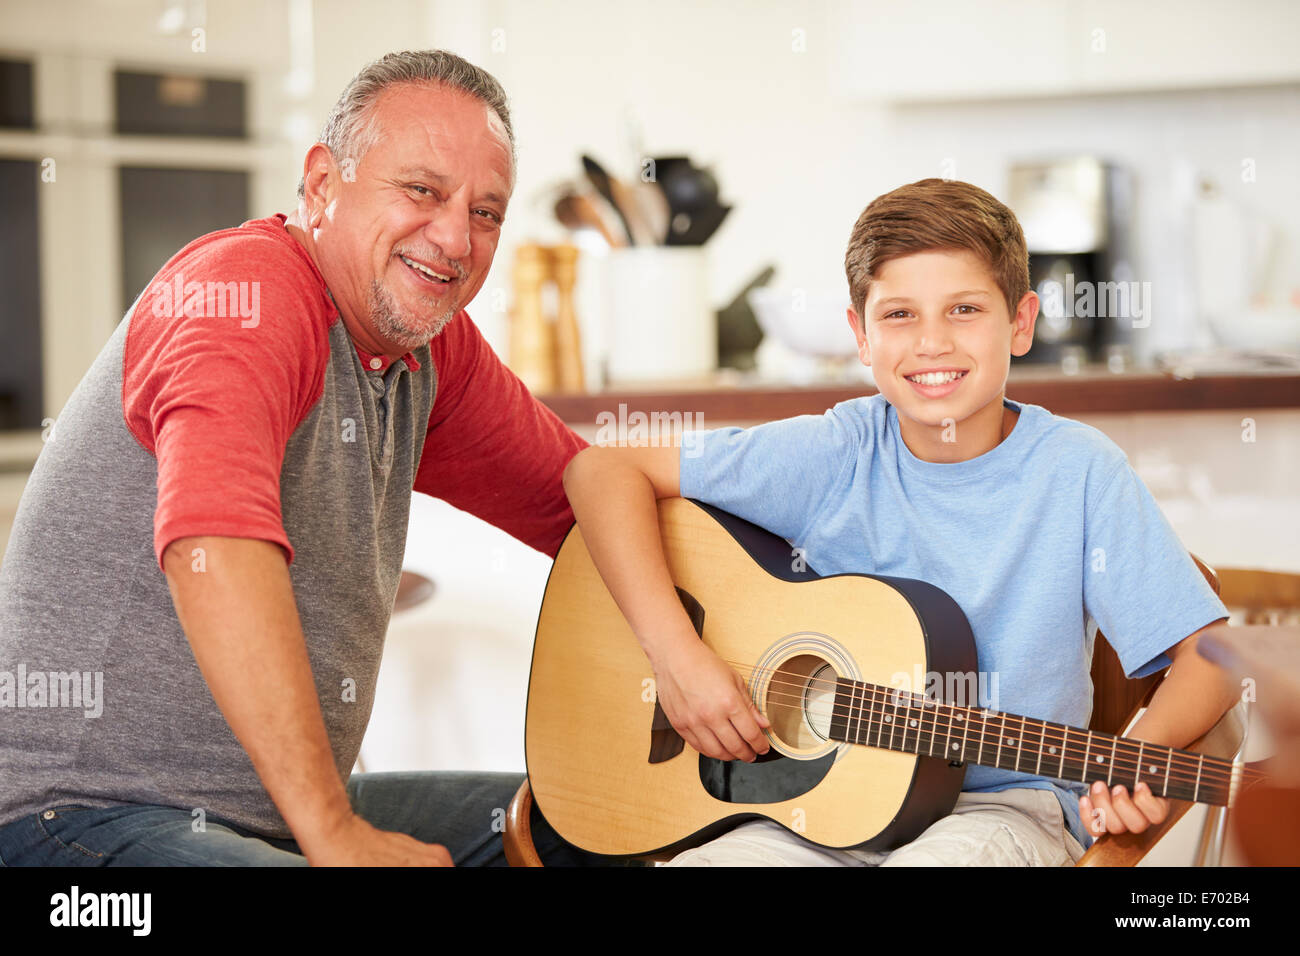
x=612 y=777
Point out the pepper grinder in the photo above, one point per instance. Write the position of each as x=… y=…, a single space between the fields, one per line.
x=568 y=352
x=532 y=340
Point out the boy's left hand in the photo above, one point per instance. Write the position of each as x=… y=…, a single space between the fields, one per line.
x=1114 y=811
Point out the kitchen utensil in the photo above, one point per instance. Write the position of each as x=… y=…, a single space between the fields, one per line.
x=695 y=228
x=653 y=206
x=580 y=212
x=738 y=331
x=601 y=181
x=687 y=187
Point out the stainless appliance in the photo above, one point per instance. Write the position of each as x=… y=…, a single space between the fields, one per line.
x=1077 y=216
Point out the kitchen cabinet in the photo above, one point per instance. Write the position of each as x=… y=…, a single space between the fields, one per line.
x=949 y=50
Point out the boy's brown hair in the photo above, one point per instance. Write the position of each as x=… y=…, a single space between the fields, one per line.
x=935 y=214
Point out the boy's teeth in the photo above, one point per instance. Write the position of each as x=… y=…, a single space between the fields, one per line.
x=427 y=271
x=934 y=378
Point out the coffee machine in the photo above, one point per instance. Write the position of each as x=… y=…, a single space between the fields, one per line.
x=1077 y=216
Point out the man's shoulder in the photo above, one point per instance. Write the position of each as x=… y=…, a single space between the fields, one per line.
x=259 y=246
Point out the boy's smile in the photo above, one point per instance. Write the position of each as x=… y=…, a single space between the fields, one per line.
x=939 y=339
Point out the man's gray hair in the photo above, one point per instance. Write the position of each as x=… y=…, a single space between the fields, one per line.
x=350 y=129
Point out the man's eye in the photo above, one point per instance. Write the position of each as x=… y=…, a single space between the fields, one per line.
x=489 y=214
x=417 y=186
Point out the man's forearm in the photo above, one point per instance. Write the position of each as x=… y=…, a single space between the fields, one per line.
x=242 y=623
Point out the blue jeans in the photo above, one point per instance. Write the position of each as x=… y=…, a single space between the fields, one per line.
x=465 y=812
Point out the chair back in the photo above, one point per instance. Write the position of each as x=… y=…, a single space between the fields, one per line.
x=1115 y=698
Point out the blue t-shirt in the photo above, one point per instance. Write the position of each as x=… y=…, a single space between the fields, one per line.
x=1041 y=541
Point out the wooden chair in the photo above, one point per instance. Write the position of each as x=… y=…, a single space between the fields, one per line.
x=1116 y=703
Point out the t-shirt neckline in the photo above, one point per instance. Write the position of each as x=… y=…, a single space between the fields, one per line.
x=1001 y=457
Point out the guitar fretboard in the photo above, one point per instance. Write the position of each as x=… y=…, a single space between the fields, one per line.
x=886 y=717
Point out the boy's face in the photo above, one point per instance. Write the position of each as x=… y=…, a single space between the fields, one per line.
x=942 y=313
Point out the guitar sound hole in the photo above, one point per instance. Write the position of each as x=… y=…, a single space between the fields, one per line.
x=799 y=700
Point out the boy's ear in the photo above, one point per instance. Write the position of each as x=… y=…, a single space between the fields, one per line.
x=1022 y=334
x=859 y=332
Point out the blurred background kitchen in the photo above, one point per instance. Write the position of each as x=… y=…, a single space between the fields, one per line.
x=689 y=172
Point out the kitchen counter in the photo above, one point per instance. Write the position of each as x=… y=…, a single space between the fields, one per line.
x=733 y=397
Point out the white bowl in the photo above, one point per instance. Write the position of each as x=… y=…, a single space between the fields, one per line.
x=805 y=322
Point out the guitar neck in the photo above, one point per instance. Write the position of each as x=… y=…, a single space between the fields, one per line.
x=886 y=717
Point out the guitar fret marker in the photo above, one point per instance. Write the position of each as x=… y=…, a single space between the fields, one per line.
x=1038 y=765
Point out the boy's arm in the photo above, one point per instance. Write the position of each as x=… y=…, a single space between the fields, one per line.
x=1189 y=701
x=613 y=491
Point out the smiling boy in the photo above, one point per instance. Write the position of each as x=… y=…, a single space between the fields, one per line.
x=1036 y=525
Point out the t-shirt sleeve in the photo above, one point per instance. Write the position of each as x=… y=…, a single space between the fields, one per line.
x=776 y=475
x=493 y=449
x=1139 y=583
x=215 y=397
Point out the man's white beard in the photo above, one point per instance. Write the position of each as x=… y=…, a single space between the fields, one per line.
x=395 y=326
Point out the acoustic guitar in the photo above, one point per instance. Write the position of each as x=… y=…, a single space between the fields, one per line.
x=859 y=757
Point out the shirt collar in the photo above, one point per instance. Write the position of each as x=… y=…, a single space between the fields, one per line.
x=377 y=363
x=380 y=363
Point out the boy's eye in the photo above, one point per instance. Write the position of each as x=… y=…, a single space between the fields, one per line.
x=897 y=314
x=972 y=308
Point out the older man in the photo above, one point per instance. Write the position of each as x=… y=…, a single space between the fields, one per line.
x=216 y=531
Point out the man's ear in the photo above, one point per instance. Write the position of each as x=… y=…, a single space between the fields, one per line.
x=318 y=183
x=859 y=332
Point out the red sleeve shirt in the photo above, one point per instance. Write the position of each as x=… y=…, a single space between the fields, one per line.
x=492 y=448
x=216 y=402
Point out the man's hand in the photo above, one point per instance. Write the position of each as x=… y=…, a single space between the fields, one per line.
x=707 y=703
x=356 y=843
x=1114 y=811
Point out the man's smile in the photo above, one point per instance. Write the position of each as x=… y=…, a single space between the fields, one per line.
x=428 y=274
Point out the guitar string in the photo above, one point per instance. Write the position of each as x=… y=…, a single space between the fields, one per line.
x=1209 y=773
x=876 y=690
x=1125 y=753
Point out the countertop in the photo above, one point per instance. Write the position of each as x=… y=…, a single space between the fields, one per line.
x=735 y=397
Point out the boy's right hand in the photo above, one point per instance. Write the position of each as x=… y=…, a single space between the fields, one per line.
x=708 y=703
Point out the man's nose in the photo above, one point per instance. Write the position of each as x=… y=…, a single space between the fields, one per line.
x=449 y=230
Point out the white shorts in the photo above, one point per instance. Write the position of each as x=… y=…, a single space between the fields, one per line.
x=1022 y=826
